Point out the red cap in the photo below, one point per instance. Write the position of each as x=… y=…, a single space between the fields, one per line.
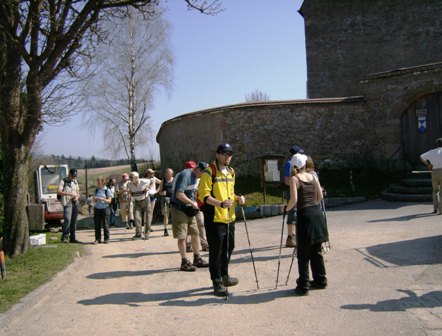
x=190 y=164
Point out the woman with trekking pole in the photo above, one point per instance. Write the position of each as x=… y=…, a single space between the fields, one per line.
x=311 y=229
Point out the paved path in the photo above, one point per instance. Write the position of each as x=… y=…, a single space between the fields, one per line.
x=384 y=270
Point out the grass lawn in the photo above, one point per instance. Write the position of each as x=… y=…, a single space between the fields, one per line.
x=27 y=272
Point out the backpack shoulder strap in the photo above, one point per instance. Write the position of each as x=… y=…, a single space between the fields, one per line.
x=231 y=170
x=213 y=169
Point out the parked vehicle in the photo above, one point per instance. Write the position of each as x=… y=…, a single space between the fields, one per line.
x=47 y=180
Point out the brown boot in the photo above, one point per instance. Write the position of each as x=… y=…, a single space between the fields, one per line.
x=291 y=241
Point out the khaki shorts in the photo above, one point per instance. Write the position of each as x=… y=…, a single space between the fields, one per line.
x=182 y=225
x=165 y=206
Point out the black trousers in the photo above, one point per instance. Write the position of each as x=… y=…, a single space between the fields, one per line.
x=309 y=254
x=101 y=220
x=219 y=256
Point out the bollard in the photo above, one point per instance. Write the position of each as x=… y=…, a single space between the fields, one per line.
x=2 y=261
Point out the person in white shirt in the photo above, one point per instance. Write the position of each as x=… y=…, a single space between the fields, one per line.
x=70 y=194
x=433 y=160
x=139 y=190
x=153 y=191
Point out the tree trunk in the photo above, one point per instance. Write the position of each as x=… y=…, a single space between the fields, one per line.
x=15 y=182
x=20 y=120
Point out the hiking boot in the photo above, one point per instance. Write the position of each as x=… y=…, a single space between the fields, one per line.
x=106 y=241
x=317 y=285
x=187 y=266
x=205 y=249
x=300 y=291
x=188 y=248
x=65 y=239
x=229 y=281
x=97 y=242
x=291 y=241
x=136 y=237
x=200 y=262
x=218 y=288
x=74 y=241
x=166 y=233
x=146 y=236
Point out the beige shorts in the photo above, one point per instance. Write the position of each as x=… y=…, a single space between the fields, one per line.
x=182 y=225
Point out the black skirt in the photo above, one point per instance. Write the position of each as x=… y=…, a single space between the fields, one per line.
x=311 y=227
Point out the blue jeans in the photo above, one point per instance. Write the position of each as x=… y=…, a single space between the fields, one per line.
x=70 y=214
x=111 y=216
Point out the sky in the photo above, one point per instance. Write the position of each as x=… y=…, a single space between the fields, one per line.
x=251 y=45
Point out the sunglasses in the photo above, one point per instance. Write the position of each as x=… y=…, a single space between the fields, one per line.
x=226 y=153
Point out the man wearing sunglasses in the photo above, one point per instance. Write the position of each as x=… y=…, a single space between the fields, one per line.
x=216 y=195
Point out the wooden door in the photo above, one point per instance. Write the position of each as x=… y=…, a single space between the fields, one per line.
x=416 y=141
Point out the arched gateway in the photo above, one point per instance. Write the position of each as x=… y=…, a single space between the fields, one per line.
x=421 y=124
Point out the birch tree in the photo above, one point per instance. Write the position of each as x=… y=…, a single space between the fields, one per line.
x=136 y=64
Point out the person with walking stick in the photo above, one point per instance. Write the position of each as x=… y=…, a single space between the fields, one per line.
x=217 y=200
x=311 y=229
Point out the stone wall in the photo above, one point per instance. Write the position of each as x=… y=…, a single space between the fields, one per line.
x=348 y=39
x=328 y=129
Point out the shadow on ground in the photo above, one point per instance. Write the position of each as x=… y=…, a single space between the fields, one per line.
x=121 y=274
x=427 y=300
x=188 y=298
x=403 y=218
x=420 y=251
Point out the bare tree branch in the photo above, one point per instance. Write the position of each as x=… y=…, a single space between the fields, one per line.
x=135 y=64
x=207 y=7
x=257 y=96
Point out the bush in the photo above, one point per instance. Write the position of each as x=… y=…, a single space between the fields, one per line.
x=338 y=183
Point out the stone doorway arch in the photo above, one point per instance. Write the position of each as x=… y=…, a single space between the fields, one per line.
x=421 y=124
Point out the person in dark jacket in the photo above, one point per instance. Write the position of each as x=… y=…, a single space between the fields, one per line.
x=311 y=229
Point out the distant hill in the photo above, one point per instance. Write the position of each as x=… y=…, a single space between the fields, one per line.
x=109 y=172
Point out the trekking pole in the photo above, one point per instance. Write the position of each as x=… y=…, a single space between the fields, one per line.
x=250 y=246
x=227 y=251
x=291 y=264
x=280 y=250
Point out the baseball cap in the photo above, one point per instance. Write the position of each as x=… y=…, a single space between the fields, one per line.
x=296 y=150
x=202 y=165
x=125 y=177
x=150 y=171
x=224 y=147
x=73 y=172
x=299 y=160
x=190 y=164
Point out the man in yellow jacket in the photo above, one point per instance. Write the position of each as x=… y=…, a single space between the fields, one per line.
x=216 y=196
